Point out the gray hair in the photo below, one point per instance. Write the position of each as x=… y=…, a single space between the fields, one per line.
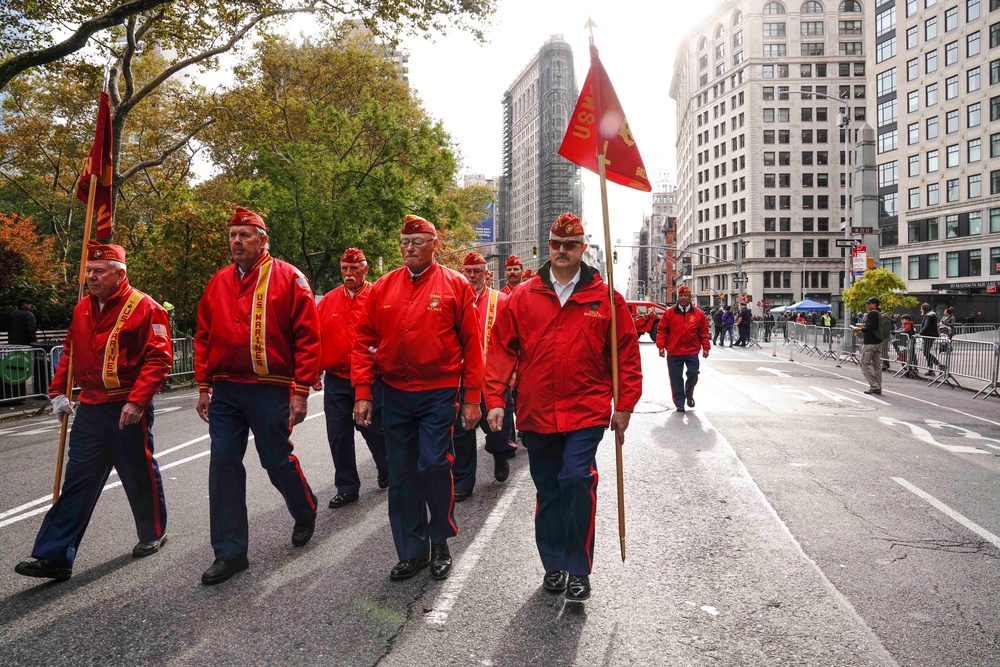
x=115 y=264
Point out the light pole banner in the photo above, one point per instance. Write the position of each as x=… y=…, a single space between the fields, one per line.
x=486 y=229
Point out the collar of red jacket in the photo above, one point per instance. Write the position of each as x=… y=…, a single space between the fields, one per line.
x=587 y=275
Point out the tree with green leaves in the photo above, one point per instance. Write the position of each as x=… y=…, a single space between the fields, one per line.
x=882 y=283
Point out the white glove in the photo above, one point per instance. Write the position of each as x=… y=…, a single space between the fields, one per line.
x=61 y=404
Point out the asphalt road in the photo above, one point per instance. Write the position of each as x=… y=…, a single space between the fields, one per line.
x=787 y=520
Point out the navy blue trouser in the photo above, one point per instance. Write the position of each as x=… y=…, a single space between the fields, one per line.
x=564 y=469
x=235 y=410
x=338 y=404
x=498 y=443
x=95 y=445
x=421 y=490
x=680 y=388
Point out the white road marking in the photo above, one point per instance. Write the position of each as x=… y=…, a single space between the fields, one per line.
x=781 y=374
x=796 y=392
x=163 y=410
x=454 y=583
x=869 y=397
x=924 y=435
x=971 y=435
x=934 y=502
x=832 y=395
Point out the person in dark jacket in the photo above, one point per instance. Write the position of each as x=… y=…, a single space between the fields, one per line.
x=727 y=326
x=871 y=351
x=928 y=330
x=717 y=322
x=22 y=327
x=743 y=321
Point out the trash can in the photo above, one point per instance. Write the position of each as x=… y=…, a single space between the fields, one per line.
x=16 y=368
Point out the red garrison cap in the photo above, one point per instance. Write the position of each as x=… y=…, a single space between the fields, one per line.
x=414 y=224
x=683 y=289
x=528 y=273
x=243 y=216
x=514 y=260
x=353 y=256
x=474 y=259
x=566 y=226
x=97 y=250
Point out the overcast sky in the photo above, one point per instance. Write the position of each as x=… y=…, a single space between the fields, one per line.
x=462 y=83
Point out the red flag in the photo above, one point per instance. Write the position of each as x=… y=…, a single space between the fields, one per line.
x=598 y=125
x=99 y=164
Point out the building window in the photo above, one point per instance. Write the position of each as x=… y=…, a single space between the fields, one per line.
x=913 y=166
x=971 y=10
x=931 y=94
x=973 y=80
x=950 y=53
x=930 y=62
x=888 y=174
x=849 y=27
x=849 y=6
x=784 y=248
x=911 y=36
x=932 y=128
x=773 y=8
x=769 y=248
x=922 y=230
x=812 y=7
x=951 y=19
x=972 y=47
x=775 y=51
x=995 y=182
x=912 y=133
x=933 y=194
x=884 y=22
x=812 y=48
x=913 y=69
x=995 y=108
x=885 y=82
x=963 y=263
x=811 y=28
x=994 y=71
x=994 y=34
x=911 y=8
x=975 y=185
x=994 y=220
x=974 y=152
x=973 y=114
x=951 y=122
x=923 y=267
x=914 y=197
x=951 y=190
x=774 y=30
x=887 y=141
x=884 y=50
x=930 y=28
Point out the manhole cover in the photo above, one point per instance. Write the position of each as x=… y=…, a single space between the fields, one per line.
x=848 y=407
x=649 y=407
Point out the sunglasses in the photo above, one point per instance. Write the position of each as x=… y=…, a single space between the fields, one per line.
x=569 y=245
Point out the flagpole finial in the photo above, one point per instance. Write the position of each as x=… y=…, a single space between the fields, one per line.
x=590 y=25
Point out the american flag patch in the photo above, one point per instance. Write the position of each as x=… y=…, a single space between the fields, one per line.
x=160 y=330
x=302 y=282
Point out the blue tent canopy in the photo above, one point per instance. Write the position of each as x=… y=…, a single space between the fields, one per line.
x=808 y=305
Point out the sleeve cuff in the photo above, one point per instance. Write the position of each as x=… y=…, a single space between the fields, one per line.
x=301 y=389
x=363 y=392
x=205 y=387
x=472 y=396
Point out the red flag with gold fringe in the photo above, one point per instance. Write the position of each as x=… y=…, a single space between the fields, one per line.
x=99 y=164
x=598 y=125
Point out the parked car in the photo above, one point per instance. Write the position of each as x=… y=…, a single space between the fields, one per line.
x=646 y=316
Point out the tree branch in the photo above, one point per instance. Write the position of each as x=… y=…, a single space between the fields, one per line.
x=157 y=161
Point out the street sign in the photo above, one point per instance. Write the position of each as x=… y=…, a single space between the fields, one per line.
x=739 y=281
x=846 y=243
x=862 y=230
x=860 y=249
x=992 y=289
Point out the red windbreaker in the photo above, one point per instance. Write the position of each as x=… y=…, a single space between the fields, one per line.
x=563 y=355
x=281 y=347
x=144 y=354
x=339 y=313
x=683 y=333
x=425 y=333
x=486 y=317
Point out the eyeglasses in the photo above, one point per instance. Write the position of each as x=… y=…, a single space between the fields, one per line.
x=416 y=243
x=569 y=245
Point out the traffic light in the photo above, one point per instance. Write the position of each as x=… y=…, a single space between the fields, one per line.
x=747 y=298
x=722 y=295
x=534 y=252
x=614 y=256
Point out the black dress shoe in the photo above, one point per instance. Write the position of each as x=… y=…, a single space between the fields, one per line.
x=409 y=567
x=148 y=548
x=44 y=569
x=342 y=499
x=501 y=468
x=223 y=569
x=873 y=391
x=578 y=589
x=690 y=401
x=440 y=561
x=303 y=530
x=383 y=480
x=462 y=494
x=680 y=408
x=555 y=581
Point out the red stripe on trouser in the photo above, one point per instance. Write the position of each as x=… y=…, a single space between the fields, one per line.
x=589 y=543
x=451 y=463
x=310 y=498
x=157 y=519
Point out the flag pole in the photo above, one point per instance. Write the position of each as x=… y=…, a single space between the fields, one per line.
x=619 y=439
x=81 y=287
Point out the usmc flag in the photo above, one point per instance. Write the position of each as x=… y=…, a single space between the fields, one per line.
x=598 y=126
x=99 y=164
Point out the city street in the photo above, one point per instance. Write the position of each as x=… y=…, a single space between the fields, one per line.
x=788 y=519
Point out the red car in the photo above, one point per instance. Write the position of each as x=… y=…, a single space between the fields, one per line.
x=646 y=316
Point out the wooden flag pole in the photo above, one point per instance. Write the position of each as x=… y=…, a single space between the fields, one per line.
x=82 y=282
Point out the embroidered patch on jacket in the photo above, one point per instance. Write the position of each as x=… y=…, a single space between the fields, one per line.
x=159 y=330
x=435 y=302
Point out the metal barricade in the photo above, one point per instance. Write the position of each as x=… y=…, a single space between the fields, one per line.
x=988 y=333
x=849 y=346
x=968 y=360
x=24 y=373
x=183 y=356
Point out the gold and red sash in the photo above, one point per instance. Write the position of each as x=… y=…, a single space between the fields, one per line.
x=491 y=316
x=110 y=372
x=258 y=320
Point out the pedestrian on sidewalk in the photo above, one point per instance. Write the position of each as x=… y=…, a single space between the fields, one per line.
x=871 y=350
x=680 y=335
x=717 y=325
x=119 y=342
x=339 y=312
x=556 y=331
x=928 y=332
x=727 y=325
x=257 y=352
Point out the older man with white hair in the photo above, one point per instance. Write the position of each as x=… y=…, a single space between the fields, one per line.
x=119 y=344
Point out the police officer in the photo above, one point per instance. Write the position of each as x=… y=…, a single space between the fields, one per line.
x=339 y=311
x=556 y=332
x=489 y=302
x=257 y=354
x=421 y=321
x=119 y=342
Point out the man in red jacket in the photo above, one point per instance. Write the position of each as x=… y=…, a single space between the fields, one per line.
x=514 y=272
x=339 y=311
x=681 y=334
x=556 y=332
x=119 y=342
x=421 y=320
x=489 y=304
x=257 y=355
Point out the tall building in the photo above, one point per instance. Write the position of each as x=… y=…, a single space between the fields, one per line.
x=661 y=281
x=537 y=184
x=937 y=85
x=761 y=156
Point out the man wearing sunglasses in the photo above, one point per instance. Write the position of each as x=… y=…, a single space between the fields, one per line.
x=556 y=333
x=514 y=272
x=420 y=333
x=680 y=335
